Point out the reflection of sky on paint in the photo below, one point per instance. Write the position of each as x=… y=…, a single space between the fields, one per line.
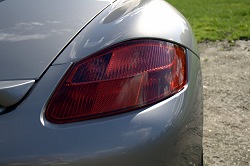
x=109 y=151
x=92 y=43
x=105 y=0
x=156 y=24
x=141 y=134
x=16 y=37
x=122 y=10
x=23 y=31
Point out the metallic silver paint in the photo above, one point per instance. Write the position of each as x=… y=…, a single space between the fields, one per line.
x=130 y=20
x=11 y=92
x=167 y=133
x=32 y=33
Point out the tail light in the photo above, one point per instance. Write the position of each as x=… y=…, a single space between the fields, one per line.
x=118 y=79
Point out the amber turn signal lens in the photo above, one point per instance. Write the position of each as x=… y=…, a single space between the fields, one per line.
x=118 y=79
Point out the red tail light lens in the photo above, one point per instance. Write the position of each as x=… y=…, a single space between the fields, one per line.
x=118 y=79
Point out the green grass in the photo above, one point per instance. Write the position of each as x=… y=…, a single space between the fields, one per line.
x=213 y=20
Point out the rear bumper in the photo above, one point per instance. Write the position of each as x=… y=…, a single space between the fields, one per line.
x=167 y=133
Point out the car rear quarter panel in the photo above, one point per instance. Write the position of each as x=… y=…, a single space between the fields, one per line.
x=167 y=133
x=127 y=20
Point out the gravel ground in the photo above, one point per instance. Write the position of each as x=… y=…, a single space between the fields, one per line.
x=226 y=86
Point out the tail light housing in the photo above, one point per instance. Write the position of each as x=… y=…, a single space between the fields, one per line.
x=118 y=79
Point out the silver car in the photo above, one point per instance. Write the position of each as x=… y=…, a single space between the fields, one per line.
x=98 y=82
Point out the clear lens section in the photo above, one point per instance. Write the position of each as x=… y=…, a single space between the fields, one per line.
x=118 y=79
